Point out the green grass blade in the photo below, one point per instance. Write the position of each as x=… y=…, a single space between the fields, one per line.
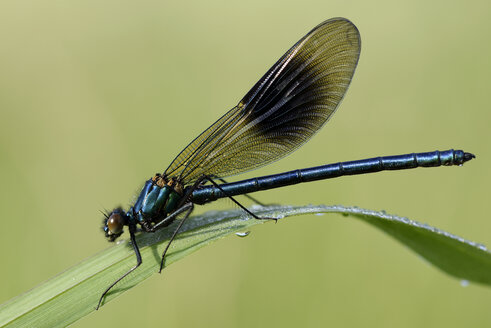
x=74 y=293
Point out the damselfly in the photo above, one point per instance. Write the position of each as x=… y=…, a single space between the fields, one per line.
x=288 y=105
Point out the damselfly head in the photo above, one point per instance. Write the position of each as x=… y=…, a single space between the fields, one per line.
x=113 y=224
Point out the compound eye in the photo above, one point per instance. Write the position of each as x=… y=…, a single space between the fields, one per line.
x=115 y=223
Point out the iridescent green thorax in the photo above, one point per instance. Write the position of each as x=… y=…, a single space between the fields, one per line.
x=159 y=197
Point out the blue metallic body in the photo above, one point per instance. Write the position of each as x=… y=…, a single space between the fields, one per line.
x=207 y=194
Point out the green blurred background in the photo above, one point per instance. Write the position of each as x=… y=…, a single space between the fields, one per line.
x=95 y=97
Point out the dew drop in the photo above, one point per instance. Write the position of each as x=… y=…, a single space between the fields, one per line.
x=242 y=234
x=482 y=247
x=464 y=283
